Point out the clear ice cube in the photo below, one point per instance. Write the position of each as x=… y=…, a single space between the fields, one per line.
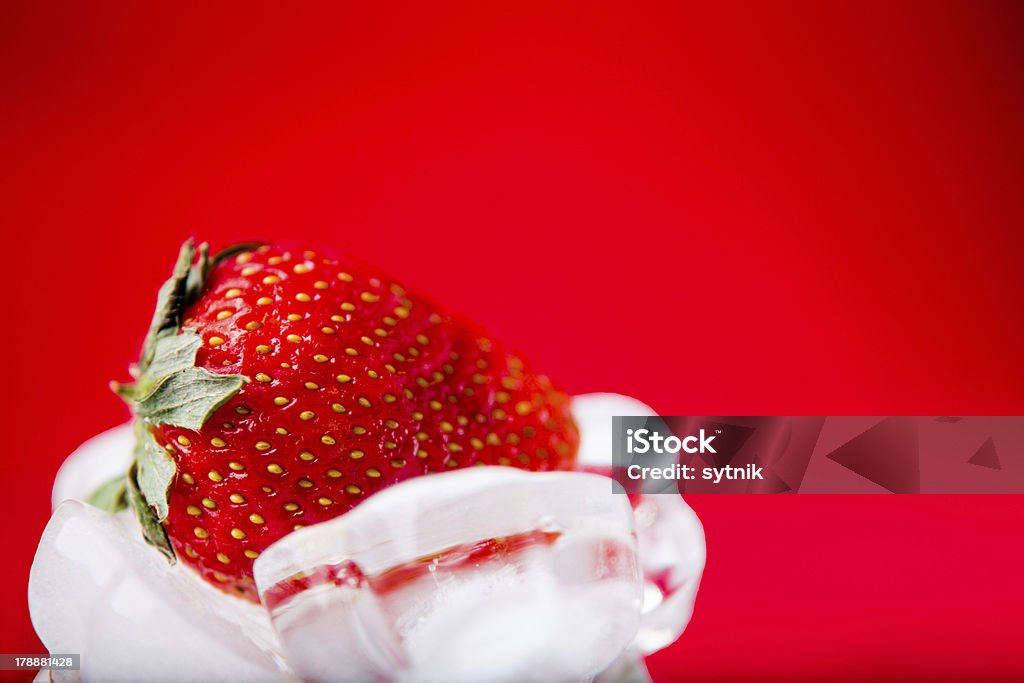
x=483 y=574
x=670 y=537
x=672 y=554
x=96 y=589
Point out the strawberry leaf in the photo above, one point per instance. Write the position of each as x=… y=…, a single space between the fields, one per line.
x=154 y=470
x=188 y=397
x=111 y=495
x=171 y=300
x=196 y=277
x=152 y=530
x=171 y=354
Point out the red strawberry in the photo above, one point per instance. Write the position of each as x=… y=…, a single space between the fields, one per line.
x=279 y=388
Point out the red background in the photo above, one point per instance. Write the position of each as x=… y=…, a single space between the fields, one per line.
x=781 y=209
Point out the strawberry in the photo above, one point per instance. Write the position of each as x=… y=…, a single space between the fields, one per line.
x=279 y=388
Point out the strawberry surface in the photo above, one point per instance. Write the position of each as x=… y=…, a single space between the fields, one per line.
x=353 y=384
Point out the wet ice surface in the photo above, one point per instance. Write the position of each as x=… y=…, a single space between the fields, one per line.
x=557 y=597
x=488 y=574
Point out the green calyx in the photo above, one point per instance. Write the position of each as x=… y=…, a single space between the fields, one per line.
x=168 y=390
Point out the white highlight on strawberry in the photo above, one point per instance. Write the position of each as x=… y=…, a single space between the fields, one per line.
x=96 y=588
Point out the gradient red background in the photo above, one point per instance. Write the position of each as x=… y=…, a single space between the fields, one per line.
x=762 y=208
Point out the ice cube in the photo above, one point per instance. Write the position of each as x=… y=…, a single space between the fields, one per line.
x=98 y=460
x=487 y=574
x=629 y=667
x=593 y=414
x=672 y=554
x=96 y=589
x=671 y=538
